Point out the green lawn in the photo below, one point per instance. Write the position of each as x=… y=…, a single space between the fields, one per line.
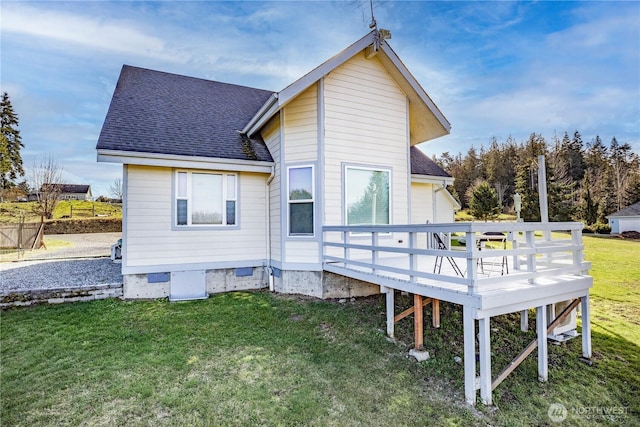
x=12 y=212
x=254 y=358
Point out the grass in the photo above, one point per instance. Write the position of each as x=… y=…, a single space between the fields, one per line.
x=12 y=212
x=8 y=255
x=254 y=358
x=464 y=215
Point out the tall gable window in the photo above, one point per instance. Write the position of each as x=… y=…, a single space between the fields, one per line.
x=205 y=199
x=301 y=200
x=367 y=196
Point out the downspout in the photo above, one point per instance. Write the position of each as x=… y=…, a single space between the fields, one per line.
x=443 y=186
x=268 y=204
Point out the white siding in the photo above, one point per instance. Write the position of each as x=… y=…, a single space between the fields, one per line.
x=301 y=251
x=301 y=127
x=444 y=208
x=301 y=145
x=271 y=136
x=421 y=203
x=151 y=239
x=366 y=124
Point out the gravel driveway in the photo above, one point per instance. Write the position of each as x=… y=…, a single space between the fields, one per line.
x=85 y=262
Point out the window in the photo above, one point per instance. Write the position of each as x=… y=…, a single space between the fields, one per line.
x=367 y=196
x=205 y=199
x=300 y=198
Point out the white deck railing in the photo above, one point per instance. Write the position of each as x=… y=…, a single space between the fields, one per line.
x=524 y=252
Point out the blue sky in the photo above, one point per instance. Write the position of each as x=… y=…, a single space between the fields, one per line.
x=494 y=68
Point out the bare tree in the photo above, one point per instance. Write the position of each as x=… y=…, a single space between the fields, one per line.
x=46 y=179
x=115 y=190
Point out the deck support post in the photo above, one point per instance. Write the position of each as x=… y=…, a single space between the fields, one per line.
x=485 y=359
x=469 y=355
x=524 y=320
x=418 y=321
x=541 y=326
x=435 y=310
x=586 y=327
x=390 y=294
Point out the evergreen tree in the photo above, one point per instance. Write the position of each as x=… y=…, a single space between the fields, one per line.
x=483 y=201
x=633 y=190
x=10 y=145
x=575 y=158
x=597 y=167
x=526 y=186
x=587 y=211
x=620 y=156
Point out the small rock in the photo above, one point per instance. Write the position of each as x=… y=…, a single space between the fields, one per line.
x=457 y=359
x=342 y=301
x=420 y=356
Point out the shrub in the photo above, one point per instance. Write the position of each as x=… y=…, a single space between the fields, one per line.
x=601 y=228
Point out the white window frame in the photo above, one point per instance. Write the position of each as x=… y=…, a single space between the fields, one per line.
x=312 y=201
x=226 y=197
x=346 y=187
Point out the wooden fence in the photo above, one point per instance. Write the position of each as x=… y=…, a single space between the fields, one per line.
x=21 y=235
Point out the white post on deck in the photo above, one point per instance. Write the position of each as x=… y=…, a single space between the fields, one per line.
x=469 y=355
x=541 y=326
x=485 y=359
x=531 y=257
x=374 y=252
x=412 y=256
x=472 y=261
x=345 y=239
x=542 y=196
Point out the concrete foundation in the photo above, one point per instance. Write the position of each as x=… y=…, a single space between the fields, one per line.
x=322 y=284
x=138 y=286
x=319 y=284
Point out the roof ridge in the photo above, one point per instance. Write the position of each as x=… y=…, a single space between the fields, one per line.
x=194 y=78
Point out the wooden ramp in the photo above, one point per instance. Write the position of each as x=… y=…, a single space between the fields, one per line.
x=514 y=273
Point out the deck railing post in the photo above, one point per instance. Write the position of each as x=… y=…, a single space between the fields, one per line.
x=576 y=241
x=472 y=261
x=531 y=257
x=345 y=240
x=374 y=252
x=515 y=235
x=412 y=257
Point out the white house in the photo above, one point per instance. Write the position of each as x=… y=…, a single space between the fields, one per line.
x=228 y=187
x=627 y=219
x=321 y=189
x=66 y=191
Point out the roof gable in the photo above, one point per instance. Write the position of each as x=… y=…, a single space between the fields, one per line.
x=633 y=210
x=427 y=121
x=163 y=113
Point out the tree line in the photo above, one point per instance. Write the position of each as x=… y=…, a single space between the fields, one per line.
x=585 y=182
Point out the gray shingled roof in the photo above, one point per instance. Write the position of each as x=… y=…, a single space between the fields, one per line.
x=421 y=164
x=163 y=113
x=69 y=188
x=633 y=210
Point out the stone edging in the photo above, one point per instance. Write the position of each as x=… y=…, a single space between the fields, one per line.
x=17 y=298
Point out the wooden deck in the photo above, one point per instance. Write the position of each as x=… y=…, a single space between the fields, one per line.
x=503 y=268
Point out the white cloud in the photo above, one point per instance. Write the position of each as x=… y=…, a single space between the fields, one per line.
x=116 y=36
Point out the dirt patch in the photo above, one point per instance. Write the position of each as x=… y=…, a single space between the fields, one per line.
x=635 y=235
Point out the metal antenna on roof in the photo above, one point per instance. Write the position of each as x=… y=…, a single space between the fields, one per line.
x=373 y=25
